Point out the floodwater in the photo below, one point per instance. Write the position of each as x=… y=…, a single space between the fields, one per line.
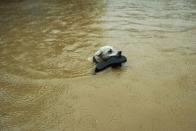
x=46 y=82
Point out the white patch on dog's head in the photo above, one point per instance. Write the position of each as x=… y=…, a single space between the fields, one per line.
x=105 y=53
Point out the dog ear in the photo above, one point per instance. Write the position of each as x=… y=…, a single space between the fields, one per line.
x=98 y=53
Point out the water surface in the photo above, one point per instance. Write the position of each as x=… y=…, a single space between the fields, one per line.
x=46 y=81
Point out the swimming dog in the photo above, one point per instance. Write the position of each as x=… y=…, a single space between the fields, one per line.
x=104 y=53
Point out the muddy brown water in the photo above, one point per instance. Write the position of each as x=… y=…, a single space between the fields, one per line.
x=46 y=82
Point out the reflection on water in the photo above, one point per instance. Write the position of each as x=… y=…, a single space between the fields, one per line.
x=45 y=81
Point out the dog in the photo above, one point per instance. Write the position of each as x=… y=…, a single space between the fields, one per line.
x=103 y=54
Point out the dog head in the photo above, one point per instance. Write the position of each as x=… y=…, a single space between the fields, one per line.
x=105 y=52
